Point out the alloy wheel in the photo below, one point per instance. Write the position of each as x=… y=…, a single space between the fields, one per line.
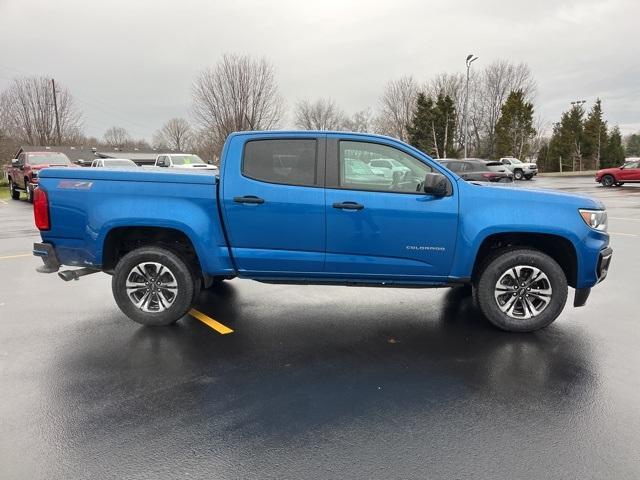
x=523 y=292
x=151 y=287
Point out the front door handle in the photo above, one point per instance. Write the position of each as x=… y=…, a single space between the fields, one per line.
x=248 y=199
x=348 y=205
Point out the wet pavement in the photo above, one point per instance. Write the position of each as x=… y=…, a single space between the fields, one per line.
x=317 y=382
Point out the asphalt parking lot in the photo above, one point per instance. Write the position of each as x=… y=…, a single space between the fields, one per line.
x=317 y=382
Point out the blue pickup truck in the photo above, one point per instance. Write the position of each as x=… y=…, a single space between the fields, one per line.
x=307 y=208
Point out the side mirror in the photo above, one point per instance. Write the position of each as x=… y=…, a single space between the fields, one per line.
x=436 y=184
x=15 y=162
x=621 y=167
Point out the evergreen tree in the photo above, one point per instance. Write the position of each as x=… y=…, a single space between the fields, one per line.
x=444 y=125
x=566 y=141
x=632 y=145
x=514 y=129
x=420 y=129
x=614 y=153
x=595 y=134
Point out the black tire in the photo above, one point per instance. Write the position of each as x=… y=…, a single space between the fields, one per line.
x=180 y=274
x=518 y=174
x=608 y=181
x=500 y=265
x=528 y=177
x=15 y=193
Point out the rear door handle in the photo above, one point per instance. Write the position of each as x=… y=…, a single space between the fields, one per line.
x=348 y=205
x=248 y=199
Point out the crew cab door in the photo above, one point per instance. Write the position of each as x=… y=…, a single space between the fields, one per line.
x=273 y=199
x=385 y=228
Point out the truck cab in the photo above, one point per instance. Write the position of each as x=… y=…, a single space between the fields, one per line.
x=24 y=171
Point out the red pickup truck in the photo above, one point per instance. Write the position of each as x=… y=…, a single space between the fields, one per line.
x=22 y=174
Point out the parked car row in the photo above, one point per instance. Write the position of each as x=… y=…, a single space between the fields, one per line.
x=23 y=172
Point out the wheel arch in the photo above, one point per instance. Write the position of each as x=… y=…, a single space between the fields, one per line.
x=120 y=240
x=560 y=248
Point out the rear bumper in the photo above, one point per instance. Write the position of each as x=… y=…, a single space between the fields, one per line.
x=49 y=257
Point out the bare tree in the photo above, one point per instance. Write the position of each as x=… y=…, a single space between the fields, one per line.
x=239 y=93
x=323 y=114
x=396 y=107
x=497 y=80
x=361 y=121
x=453 y=86
x=30 y=114
x=117 y=137
x=175 y=134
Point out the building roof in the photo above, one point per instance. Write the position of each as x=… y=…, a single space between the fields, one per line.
x=75 y=153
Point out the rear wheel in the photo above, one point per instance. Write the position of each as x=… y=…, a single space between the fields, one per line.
x=153 y=286
x=521 y=289
x=15 y=193
x=517 y=174
x=608 y=181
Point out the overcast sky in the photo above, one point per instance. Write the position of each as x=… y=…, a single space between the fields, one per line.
x=131 y=63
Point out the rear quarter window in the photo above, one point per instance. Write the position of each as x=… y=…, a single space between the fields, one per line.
x=289 y=162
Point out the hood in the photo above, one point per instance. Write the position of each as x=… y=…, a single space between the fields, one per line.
x=602 y=171
x=513 y=193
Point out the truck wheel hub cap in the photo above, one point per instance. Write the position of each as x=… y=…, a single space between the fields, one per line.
x=151 y=287
x=523 y=292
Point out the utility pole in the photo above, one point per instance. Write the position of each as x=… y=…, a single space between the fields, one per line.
x=469 y=61
x=55 y=106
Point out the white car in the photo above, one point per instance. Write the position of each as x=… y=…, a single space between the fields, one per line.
x=113 y=163
x=386 y=167
x=520 y=169
x=184 y=161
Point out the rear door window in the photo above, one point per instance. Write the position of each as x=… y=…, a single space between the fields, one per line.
x=289 y=162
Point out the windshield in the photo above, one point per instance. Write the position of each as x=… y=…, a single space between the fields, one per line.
x=49 y=159
x=186 y=160
x=119 y=163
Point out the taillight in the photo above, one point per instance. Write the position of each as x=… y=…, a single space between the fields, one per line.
x=41 y=209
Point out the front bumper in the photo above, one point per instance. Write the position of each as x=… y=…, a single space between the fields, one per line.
x=604 y=260
x=49 y=257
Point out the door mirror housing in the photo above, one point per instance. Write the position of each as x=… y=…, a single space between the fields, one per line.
x=436 y=184
x=15 y=162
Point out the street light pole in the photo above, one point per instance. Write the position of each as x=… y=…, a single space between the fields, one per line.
x=469 y=61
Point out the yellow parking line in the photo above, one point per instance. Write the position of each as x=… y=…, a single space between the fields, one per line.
x=210 y=322
x=7 y=257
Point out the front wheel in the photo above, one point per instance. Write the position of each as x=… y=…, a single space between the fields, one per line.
x=521 y=289
x=608 y=181
x=15 y=193
x=517 y=175
x=153 y=286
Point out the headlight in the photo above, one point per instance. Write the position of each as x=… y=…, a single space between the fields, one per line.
x=596 y=219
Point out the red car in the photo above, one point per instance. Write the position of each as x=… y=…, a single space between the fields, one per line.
x=23 y=172
x=629 y=172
